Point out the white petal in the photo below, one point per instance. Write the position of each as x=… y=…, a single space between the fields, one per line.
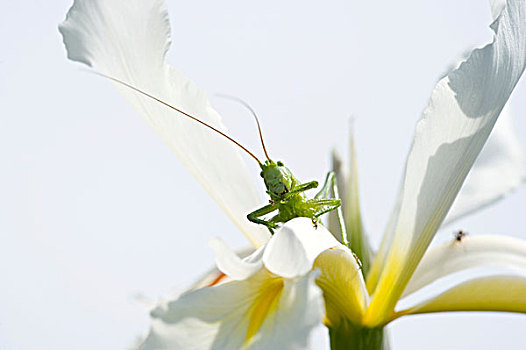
x=231 y=264
x=300 y=310
x=496 y=7
x=494 y=293
x=463 y=108
x=293 y=248
x=211 y=277
x=214 y=276
x=470 y=252
x=128 y=40
x=499 y=169
x=222 y=317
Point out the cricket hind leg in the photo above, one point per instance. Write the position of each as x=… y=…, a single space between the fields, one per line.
x=301 y=188
x=256 y=214
x=318 y=207
x=324 y=193
x=325 y=190
x=323 y=206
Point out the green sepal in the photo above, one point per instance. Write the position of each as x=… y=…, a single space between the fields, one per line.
x=347 y=336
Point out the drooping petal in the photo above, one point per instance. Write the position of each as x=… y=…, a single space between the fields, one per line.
x=262 y=312
x=463 y=108
x=343 y=286
x=470 y=252
x=500 y=169
x=273 y=307
x=211 y=277
x=228 y=262
x=214 y=276
x=495 y=293
x=294 y=247
x=128 y=41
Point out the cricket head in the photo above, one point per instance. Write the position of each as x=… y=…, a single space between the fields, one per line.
x=278 y=178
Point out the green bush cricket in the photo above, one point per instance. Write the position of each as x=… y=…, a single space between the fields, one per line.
x=286 y=192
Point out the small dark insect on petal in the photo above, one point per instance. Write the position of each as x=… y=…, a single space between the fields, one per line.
x=459 y=235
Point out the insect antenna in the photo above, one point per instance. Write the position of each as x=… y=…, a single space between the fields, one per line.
x=178 y=110
x=247 y=106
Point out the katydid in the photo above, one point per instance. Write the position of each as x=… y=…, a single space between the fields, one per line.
x=286 y=193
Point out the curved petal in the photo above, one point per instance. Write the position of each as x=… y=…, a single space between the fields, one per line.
x=463 y=108
x=211 y=277
x=214 y=276
x=494 y=293
x=470 y=252
x=343 y=286
x=229 y=263
x=128 y=40
x=499 y=170
x=262 y=312
x=294 y=247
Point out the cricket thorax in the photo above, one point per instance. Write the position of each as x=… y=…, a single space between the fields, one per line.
x=278 y=178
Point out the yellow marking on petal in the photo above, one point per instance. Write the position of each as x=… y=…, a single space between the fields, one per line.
x=264 y=304
x=493 y=293
x=373 y=276
x=379 y=311
x=404 y=255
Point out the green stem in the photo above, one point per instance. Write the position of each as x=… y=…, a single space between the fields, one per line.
x=347 y=336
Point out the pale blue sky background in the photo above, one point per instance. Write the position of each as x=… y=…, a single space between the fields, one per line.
x=94 y=209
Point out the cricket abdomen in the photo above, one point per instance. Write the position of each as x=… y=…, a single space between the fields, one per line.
x=294 y=207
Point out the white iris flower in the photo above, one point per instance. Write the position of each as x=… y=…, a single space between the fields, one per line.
x=302 y=276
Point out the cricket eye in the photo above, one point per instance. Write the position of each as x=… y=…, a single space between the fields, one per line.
x=280 y=163
x=261 y=174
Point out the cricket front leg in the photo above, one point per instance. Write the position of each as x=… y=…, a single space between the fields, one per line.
x=256 y=214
